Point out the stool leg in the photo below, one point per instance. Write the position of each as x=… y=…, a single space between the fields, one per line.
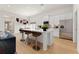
x=36 y=43
x=36 y=47
x=28 y=39
x=22 y=39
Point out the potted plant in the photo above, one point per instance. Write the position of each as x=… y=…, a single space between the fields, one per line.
x=44 y=27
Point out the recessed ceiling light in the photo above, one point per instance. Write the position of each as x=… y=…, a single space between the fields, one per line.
x=8 y=5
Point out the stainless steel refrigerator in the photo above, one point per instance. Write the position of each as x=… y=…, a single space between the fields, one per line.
x=66 y=29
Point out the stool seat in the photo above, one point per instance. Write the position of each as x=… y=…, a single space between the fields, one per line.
x=28 y=39
x=27 y=32
x=36 y=34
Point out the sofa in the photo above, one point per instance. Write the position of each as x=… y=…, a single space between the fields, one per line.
x=8 y=44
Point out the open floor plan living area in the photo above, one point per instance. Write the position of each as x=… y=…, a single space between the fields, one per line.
x=39 y=29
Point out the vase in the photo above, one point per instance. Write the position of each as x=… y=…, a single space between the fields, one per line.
x=44 y=29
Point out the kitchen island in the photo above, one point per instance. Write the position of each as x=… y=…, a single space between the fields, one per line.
x=46 y=37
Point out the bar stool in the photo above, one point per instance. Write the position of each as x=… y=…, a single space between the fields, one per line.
x=28 y=40
x=22 y=39
x=36 y=34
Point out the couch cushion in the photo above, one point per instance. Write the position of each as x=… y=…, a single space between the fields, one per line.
x=6 y=35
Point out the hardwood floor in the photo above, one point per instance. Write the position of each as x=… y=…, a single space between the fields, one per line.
x=60 y=46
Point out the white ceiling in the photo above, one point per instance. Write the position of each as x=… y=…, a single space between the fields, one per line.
x=31 y=9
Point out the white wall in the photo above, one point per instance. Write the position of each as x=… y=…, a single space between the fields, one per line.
x=76 y=24
x=77 y=9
